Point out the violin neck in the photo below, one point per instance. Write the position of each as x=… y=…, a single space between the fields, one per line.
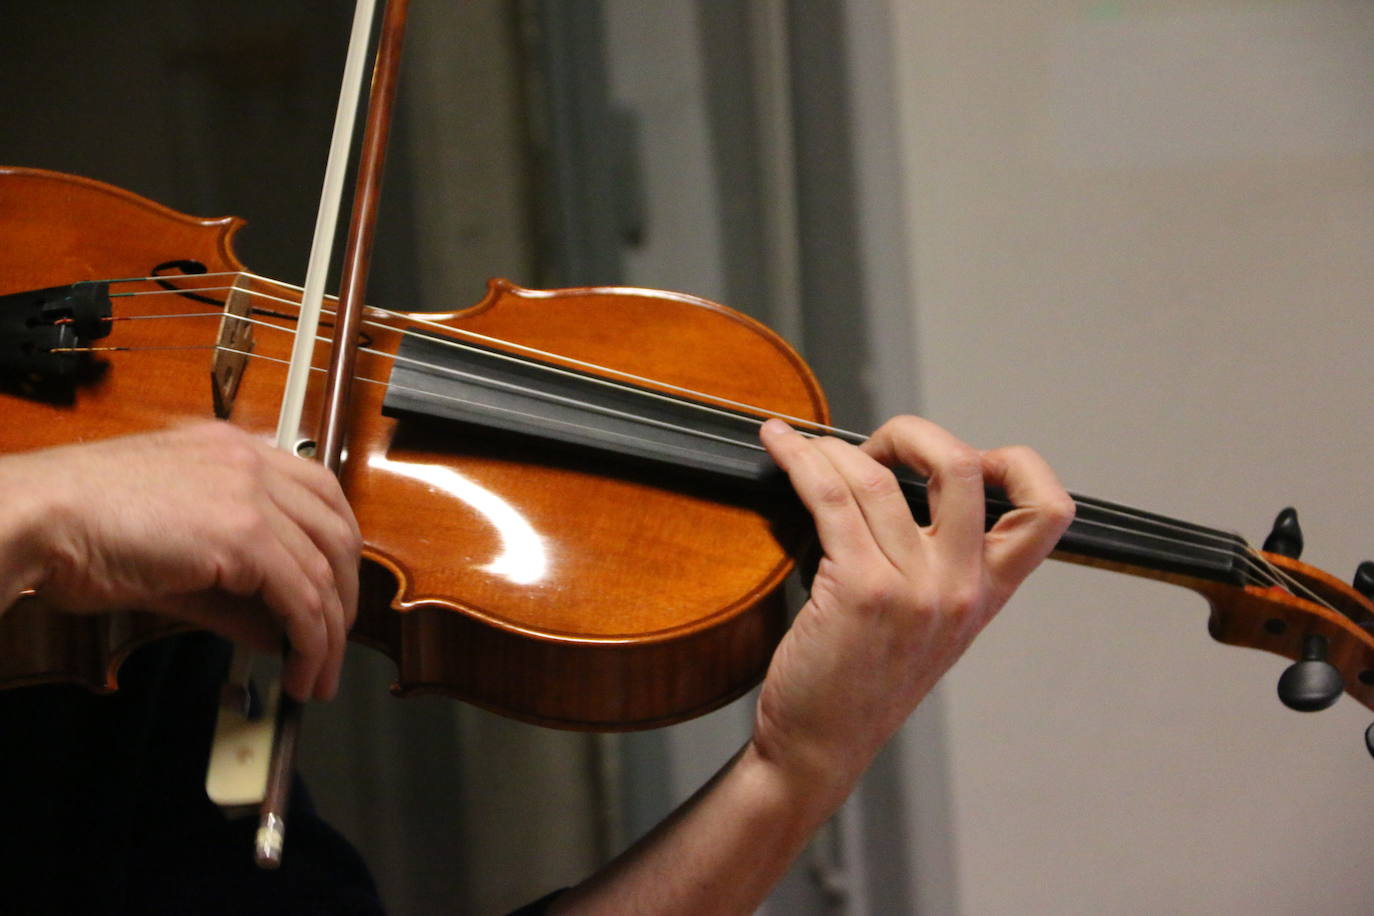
x=1127 y=540
x=485 y=387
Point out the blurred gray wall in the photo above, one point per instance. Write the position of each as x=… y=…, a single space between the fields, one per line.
x=1141 y=239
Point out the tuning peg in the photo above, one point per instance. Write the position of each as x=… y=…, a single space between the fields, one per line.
x=1313 y=683
x=1364 y=579
x=1286 y=536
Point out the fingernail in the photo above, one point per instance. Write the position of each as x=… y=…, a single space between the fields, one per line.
x=776 y=427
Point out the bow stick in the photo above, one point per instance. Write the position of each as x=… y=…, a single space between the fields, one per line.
x=273 y=785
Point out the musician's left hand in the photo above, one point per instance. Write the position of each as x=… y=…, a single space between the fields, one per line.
x=893 y=604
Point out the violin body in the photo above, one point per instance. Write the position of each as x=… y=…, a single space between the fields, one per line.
x=543 y=582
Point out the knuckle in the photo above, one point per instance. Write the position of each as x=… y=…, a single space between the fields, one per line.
x=903 y=427
x=880 y=593
x=226 y=568
x=964 y=463
x=963 y=600
x=321 y=573
x=877 y=481
x=240 y=522
x=1019 y=454
x=1060 y=511
x=833 y=494
x=348 y=537
x=310 y=605
x=903 y=421
x=239 y=458
x=883 y=593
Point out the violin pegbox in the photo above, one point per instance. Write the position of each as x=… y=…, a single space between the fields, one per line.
x=1301 y=612
x=1364 y=579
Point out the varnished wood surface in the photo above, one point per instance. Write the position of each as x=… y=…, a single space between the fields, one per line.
x=547 y=584
x=649 y=598
x=54 y=230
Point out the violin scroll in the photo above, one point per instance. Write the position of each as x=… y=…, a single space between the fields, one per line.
x=1305 y=614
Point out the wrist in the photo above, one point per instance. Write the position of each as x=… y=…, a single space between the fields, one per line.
x=23 y=527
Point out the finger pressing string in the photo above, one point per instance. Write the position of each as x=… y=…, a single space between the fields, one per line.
x=840 y=523
x=1042 y=512
x=881 y=501
x=954 y=481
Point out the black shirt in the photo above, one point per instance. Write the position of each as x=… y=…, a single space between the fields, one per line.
x=105 y=812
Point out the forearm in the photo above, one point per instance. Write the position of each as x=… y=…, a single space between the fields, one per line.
x=721 y=852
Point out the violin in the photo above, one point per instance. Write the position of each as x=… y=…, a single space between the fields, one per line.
x=567 y=517
x=542 y=583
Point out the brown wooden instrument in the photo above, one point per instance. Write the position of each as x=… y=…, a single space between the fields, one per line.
x=523 y=578
x=544 y=569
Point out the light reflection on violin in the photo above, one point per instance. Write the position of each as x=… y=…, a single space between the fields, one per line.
x=524 y=555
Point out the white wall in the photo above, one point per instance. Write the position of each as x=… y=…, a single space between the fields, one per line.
x=1142 y=239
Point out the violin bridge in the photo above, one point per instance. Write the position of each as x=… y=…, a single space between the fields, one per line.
x=231 y=350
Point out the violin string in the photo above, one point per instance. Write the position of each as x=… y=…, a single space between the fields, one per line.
x=1263 y=569
x=149 y=317
x=1233 y=544
x=536 y=353
x=849 y=435
x=996 y=504
x=132 y=349
x=167 y=278
x=1231 y=541
x=1281 y=578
